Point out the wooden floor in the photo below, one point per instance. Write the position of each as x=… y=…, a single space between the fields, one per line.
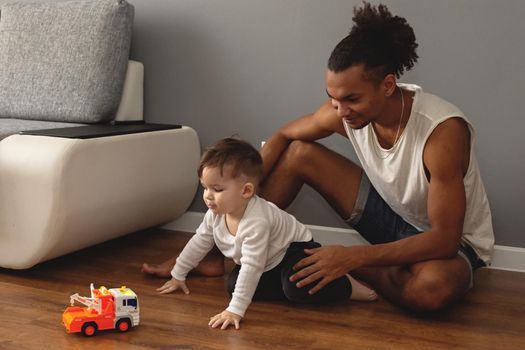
x=492 y=316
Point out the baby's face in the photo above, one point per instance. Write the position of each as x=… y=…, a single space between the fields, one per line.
x=222 y=193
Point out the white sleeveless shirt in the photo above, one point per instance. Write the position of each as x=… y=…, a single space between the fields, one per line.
x=400 y=178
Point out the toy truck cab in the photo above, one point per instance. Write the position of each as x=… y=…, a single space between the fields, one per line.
x=126 y=308
x=115 y=308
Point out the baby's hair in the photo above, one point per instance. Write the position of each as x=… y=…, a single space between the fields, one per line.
x=383 y=43
x=240 y=155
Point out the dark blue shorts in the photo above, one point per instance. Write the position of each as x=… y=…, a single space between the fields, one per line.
x=378 y=223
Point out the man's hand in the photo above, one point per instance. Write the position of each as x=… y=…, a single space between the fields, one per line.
x=225 y=319
x=172 y=285
x=323 y=264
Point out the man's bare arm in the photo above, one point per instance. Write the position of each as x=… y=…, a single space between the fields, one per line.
x=311 y=127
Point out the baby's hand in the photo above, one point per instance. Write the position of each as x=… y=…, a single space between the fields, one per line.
x=225 y=319
x=172 y=285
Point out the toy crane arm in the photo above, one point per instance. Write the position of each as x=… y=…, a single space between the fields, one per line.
x=92 y=303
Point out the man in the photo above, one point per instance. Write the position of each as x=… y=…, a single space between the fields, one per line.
x=419 y=201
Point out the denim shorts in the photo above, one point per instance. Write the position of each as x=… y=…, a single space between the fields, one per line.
x=378 y=223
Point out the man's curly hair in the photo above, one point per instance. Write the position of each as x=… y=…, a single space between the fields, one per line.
x=383 y=43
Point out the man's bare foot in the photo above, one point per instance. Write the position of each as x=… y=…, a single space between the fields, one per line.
x=211 y=266
x=360 y=291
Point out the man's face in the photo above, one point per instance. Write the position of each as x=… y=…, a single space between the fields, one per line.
x=357 y=100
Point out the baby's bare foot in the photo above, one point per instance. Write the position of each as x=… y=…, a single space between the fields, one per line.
x=360 y=291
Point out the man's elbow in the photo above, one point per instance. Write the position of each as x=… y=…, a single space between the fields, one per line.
x=449 y=245
x=450 y=252
x=451 y=249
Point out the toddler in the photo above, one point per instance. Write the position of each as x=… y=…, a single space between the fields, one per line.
x=264 y=241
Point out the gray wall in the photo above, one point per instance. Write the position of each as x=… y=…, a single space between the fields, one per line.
x=247 y=66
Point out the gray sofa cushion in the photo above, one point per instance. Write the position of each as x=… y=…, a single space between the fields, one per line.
x=63 y=61
x=10 y=127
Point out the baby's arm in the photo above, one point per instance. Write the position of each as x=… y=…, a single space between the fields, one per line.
x=194 y=251
x=254 y=252
x=172 y=285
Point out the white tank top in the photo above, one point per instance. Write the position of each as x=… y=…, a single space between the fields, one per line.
x=400 y=177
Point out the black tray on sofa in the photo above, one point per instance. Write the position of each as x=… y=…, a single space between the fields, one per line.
x=103 y=130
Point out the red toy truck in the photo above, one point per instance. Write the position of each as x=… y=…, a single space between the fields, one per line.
x=115 y=308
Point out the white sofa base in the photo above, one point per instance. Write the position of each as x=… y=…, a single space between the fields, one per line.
x=59 y=195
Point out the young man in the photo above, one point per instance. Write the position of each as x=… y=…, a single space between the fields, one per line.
x=420 y=200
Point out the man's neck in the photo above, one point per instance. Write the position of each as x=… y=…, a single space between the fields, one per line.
x=389 y=128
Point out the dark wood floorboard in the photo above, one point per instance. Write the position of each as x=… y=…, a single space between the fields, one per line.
x=492 y=316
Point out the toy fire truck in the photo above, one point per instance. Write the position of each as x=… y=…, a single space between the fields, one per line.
x=115 y=308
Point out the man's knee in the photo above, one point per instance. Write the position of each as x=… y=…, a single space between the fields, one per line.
x=432 y=291
x=299 y=151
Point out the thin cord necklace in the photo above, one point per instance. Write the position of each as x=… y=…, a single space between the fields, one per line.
x=380 y=152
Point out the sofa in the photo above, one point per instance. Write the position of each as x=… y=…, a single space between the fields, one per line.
x=78 y=164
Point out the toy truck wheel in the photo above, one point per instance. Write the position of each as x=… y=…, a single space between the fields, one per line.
x=89 y=329
x=123 y=325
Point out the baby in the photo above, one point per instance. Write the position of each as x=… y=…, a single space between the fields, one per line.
x=264 y=241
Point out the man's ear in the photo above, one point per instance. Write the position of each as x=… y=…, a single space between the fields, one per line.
x=248 y=190
x=389 y=84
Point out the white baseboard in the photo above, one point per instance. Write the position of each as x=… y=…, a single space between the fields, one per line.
x=187 y=222
x=505 y=258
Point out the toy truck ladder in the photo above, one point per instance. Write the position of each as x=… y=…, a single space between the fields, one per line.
x=92 y=303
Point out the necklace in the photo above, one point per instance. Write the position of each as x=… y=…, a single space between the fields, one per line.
x=381 y=152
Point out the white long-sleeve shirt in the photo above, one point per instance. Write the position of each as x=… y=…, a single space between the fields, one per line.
x=264 y=234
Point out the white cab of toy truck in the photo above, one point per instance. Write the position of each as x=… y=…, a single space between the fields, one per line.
x=126 y=305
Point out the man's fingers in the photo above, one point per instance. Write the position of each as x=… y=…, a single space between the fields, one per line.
x=309 y=260
x=185 y=289
x=305 y=272
x=309 y=279
x=304 y=262
x=312 y=251
x=319 y=285
x=237 y=324
x=302 y=273
x=225 y=324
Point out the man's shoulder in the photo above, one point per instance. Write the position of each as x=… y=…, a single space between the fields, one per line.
x=326 y=117
x=435 y=108
x=450 y=128
x=448 y=148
